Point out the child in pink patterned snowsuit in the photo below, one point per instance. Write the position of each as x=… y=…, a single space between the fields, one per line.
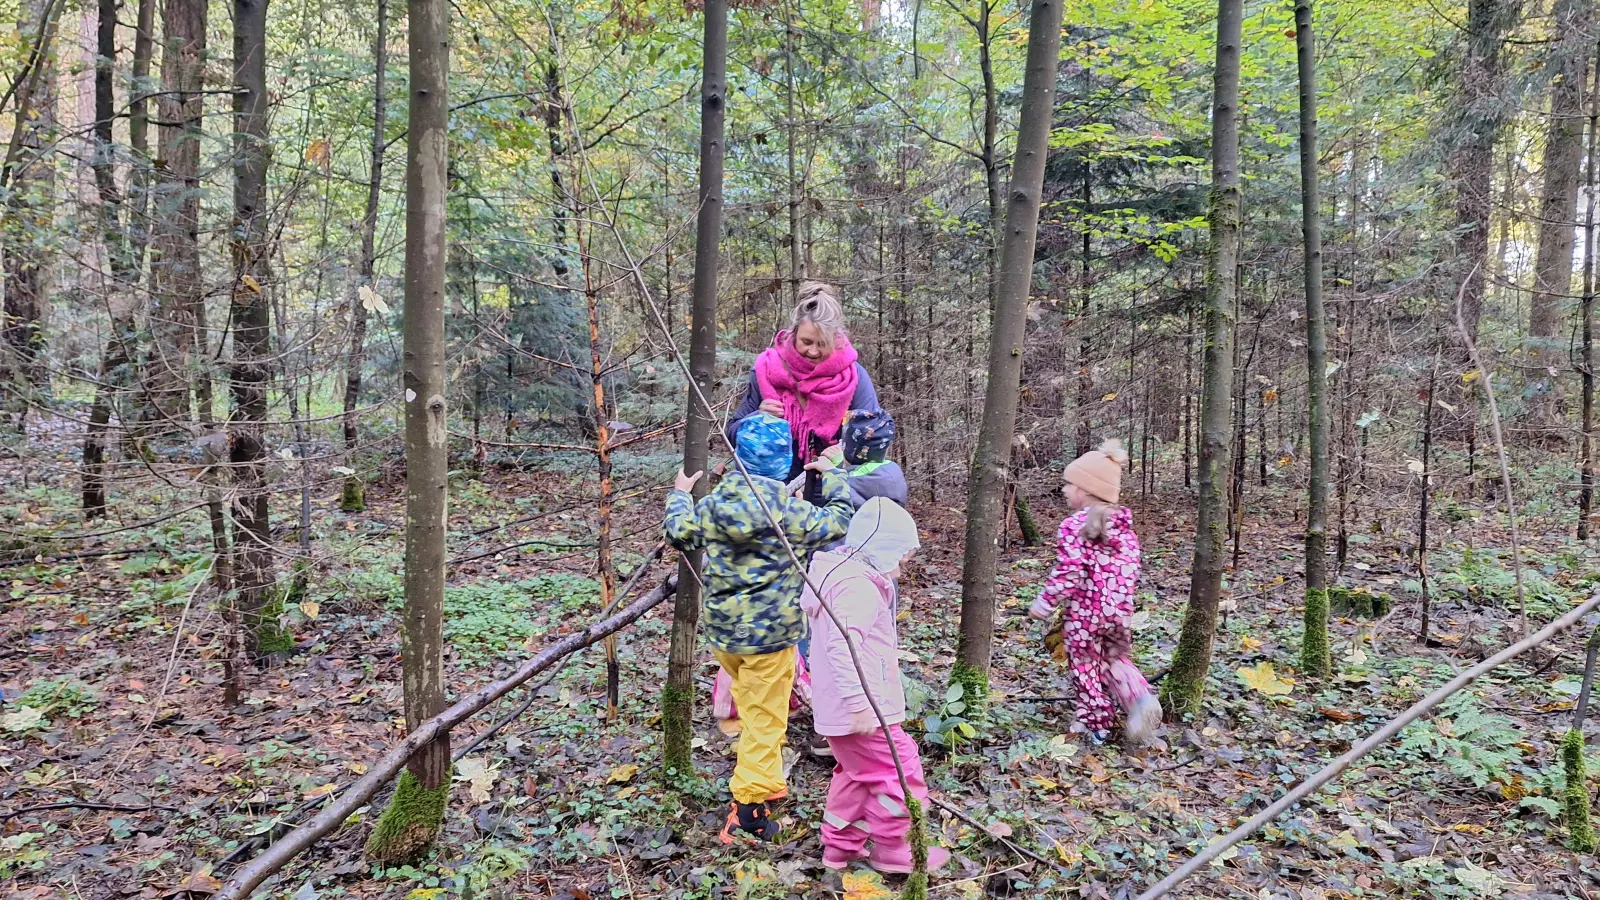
x=1095 y=576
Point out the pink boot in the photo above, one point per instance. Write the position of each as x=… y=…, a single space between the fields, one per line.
x=896 y=860
x=837 y=859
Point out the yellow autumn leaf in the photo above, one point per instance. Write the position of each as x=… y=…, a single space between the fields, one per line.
x=1262 y=679
x=1109 y=397
x=865 y=886
x=622 y=774
x=1248 y=644
x=310 y=608
x=321 y=790
x=251 y=283
x=1469 y=828
x=1470 y=377
x=625 y=793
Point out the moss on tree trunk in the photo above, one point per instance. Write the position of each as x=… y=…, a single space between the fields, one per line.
x=677 y=728
x=410 y=823
x=1314 y=656
x=354 y=496
x=1025 y=522
x=1580 y=830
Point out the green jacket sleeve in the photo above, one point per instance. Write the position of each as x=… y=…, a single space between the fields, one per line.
x=810 y=527
x=684 y=527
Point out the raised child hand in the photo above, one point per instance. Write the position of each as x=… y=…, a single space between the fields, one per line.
x=684 y=482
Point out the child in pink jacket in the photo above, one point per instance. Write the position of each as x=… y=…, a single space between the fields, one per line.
x=865 y=800
x=1095 y=575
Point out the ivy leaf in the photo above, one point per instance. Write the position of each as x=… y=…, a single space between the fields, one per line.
x=1262 y=679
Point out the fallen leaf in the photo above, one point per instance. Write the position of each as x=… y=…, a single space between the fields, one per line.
x=310 y=608
x=198 y=882
x=321 y=790
x=998 y=829
x=251 y=283
x=1339 y=715
x=865 y=886
x=24 y=719
x=1109 y=397
x=625 y=793
x=622 y=774
x=1248 y=644
x=480 y=777
x=1262 y=679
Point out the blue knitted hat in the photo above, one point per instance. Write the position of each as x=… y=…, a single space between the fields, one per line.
x=867 y=433
x=764 y=446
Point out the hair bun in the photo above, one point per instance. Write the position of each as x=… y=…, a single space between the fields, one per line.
x=1112 y=448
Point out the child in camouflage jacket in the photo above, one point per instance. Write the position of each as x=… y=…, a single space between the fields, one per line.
x=752 y=611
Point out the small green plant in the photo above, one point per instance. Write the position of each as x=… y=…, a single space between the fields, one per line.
x=59 y=697
x=948 y=727
x=17 y=853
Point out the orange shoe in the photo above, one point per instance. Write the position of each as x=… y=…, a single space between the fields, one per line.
x=750 y=819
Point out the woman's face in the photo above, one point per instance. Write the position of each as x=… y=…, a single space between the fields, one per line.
x=808 y=342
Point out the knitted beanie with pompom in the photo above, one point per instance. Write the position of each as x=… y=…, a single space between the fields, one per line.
x=1099 y=472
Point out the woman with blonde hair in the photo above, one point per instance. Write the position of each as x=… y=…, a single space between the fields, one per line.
x=810 y=376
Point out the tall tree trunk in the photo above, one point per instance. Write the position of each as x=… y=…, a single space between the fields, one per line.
x=176 y=287
x=121 y=297
x=1558 y=209
x=250 y=322
x=1314 y=655
x=985 y=494
x=30 y=207
x=144 y=41
x=1480 y=116
x=412 y=820
x=354 y=496
x=1185 y=683
x=1586 y=465
x=677 y=697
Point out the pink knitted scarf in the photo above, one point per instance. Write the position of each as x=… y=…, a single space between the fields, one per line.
x=815 y=395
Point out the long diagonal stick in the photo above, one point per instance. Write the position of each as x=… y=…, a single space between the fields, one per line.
x=1315 y=782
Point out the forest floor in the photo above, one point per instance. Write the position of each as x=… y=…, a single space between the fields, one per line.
x=123 y=774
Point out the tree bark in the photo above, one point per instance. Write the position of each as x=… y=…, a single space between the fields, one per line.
x=250 y=323
x=1184 y=686
x=1314 y=655
x=985 y=494
x=1480 y=116
x=354 y=496
x=30 y=207
x=415 y=824
x=176 y=287
x=1558 y=209
x=121 y=298
x=677 y=697
x=1586 y=465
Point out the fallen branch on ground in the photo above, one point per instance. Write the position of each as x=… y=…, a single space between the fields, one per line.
x=1333 y=769
x=334 y=814
x=1016 y=848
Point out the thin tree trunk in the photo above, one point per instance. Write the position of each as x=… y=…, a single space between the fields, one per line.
x=121 y=299
x=1314 y=654
x=176 y=287
x=354 y=496
x=139 y=135
x=30 y=207
x=677 y=697
x=602 y=449
x=796 y=188
x=1010 y=291
x=1188 y=396
x=1082 y=437
x=412 y=820
x=1586 y=477
x=1558 y=209
x=991 y=152
x=1184 y=686
x=250 y=316
x=1428 y=402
